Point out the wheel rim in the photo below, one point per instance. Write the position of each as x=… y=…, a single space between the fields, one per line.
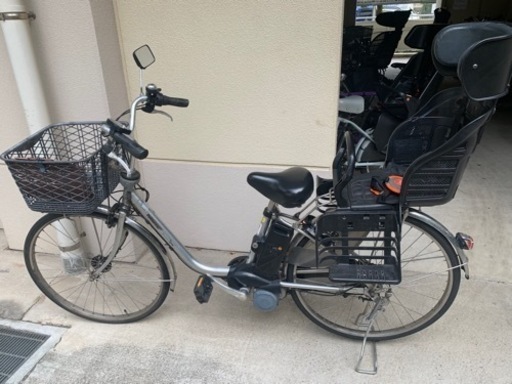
x=131 y=287
x=429 y=285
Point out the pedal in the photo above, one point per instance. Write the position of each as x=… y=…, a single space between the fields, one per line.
x=203 y=289
x=365 y=273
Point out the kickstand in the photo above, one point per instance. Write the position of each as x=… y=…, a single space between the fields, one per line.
x=372 y=370
x=368 y=321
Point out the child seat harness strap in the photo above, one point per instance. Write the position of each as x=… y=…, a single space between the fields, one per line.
x=383 y=187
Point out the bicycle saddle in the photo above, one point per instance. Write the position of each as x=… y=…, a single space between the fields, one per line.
x=289 y=188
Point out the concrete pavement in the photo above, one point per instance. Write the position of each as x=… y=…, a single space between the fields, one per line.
x=226 y=341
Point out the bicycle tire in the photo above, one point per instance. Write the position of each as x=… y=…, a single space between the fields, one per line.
x=133 y=286
x=339 y=315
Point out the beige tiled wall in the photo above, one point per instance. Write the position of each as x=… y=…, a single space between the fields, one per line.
x=262 y=78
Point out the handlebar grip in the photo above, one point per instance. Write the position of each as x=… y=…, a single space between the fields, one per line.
x=131 y=145
x=161 y=99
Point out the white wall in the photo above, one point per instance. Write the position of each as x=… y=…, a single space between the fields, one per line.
x=262 y=78
x=79 y=84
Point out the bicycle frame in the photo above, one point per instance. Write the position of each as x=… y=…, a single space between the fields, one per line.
x=216 y=274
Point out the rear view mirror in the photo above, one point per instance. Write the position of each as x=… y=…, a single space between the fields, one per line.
x=143 y=56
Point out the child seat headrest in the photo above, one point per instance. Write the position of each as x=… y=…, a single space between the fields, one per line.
x=479 y=54
x=421 y=36
x=396 y=19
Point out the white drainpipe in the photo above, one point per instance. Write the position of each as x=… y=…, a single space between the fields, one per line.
x=16 y=29
x=14 y=19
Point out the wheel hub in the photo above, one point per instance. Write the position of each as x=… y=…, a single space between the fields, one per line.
x=98 y=261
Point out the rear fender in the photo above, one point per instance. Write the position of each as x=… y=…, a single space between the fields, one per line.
x=463 y=259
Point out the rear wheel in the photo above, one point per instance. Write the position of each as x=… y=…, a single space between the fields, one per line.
x=430 y=282
x=63 y=252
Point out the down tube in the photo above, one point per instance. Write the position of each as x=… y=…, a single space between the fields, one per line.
x=183 y=254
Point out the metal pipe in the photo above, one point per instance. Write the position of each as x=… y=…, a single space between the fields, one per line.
x=16 y=29
x=14 y=19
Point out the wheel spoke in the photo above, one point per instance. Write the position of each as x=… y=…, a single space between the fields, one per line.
x=430 y=281
x=131 y=287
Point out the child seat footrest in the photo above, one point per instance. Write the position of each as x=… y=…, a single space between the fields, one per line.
x=368 y=273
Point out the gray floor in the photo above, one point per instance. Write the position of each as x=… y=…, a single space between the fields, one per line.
x=227 y=341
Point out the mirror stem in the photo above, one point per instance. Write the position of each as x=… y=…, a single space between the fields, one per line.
x=141 y=81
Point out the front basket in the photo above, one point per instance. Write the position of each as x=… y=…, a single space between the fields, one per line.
x=61 y=169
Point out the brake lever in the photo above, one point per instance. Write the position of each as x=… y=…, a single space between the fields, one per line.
x=163 y=113
x=127 y=112
x=123 y=114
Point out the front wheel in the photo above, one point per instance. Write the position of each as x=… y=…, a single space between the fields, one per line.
x=430 y=282
x=62 y=254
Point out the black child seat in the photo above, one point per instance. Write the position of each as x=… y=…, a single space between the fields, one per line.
x=416 y=83
x=380 y=52
x=420 y=68
x=415 y=75
x=383 y=46
x=429 y=151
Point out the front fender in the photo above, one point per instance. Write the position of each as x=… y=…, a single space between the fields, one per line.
x=158 y=244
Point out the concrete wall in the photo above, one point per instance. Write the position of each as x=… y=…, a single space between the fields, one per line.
x=262 y=78
x=12 y=129
x=79 y=84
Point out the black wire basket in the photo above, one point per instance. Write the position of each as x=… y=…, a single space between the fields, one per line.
x=360 y=246
x=61 y=169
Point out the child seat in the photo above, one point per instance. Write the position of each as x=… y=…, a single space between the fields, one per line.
x=415 y=84
x=416 y=74
x=429 y=152
x=383 y=46
x=431 y=149
x=380 y=52
x=444 y=58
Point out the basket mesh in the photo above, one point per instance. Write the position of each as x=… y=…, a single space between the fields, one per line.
x=360 y=245
x=435 y=179
x=62 y=169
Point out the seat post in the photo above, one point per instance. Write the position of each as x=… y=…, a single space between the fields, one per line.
x=266 y=219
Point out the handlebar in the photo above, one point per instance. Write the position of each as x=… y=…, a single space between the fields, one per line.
x=157 y=98
x=161 y=99
x=134 y=148
x=120 y=133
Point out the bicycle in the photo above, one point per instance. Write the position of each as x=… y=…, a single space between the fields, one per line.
x=103 y=254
